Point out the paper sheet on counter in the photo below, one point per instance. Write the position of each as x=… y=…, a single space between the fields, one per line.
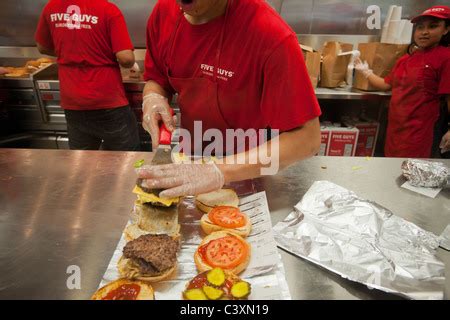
x=428 y=192
x=265 y=271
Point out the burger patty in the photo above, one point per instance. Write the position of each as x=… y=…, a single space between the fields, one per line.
x=153 y=253
x=147 y=190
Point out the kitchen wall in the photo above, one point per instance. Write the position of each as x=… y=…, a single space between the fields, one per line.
x=18 y=18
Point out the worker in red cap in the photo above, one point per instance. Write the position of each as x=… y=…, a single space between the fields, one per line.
x=420 y=83
x=236 y=66
x=91 y=40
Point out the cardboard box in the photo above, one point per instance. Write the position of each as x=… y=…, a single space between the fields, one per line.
x=343 y=141
x=325 y=141
x=367 y=139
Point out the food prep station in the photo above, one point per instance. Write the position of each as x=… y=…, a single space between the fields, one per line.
x=60 y=208
x=53 y=216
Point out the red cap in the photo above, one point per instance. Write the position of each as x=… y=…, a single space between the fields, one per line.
x=441 y=12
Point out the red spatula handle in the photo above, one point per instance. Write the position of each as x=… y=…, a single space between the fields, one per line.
x=165 y=136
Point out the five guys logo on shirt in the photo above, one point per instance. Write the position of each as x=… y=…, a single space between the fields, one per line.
x=221 y=73
x=73 y=19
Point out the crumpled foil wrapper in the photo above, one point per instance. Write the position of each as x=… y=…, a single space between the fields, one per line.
x=421 y=173
x=363 y=242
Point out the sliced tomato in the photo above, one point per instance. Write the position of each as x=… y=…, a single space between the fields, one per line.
x=227 y=217
x=226 y=252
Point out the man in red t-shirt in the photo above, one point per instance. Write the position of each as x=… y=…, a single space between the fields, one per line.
x=234 y=65
x=90 y=40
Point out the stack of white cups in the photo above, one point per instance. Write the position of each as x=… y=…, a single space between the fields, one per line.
x=395 y=30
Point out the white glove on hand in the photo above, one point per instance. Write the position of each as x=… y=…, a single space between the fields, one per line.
x=363 y=67
x=155 y=108
x=182 y=179
x=135 y=71
x=445 y=143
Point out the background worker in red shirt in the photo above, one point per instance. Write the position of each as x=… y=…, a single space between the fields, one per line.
x=90 y=39
x=420 y=82
x=235 y=65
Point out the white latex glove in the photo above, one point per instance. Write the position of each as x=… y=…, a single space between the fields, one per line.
x=445 y=143
x=363 y=67
x=135 y=71
x=182 y=179
x=155 y=108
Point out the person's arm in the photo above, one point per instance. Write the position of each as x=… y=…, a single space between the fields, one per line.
x=376 y=81
x=43 y=36
x=44 y=50
x=120 y=39
x=445 y=143
x=126 y=58
x=290 y=147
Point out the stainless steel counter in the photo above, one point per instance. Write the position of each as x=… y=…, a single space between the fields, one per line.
x=61 y=208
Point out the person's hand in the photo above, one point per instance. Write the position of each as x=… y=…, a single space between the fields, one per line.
x=363 y=67
x=182 y=179
x=155 y=108
x=445 y=143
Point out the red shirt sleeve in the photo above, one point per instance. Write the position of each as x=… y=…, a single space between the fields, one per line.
x=288 y=98
x=444 y=83
x=43 y=34
x=120 y=38
x=155 y=69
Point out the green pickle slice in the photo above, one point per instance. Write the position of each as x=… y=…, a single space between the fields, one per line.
x=216 y=277
x=195 y=294
x=139 y=163
x=213 y=293
x=240 y=290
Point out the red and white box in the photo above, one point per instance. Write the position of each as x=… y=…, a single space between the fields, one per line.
x=367 y=140
x=343 y=141
x=325 y=140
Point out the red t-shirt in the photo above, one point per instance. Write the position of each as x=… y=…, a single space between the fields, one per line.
x=86 y=35
x=418 y=82
x=263 y=79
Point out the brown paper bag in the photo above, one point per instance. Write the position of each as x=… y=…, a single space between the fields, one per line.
x=334 y=67
x=381 y=58
x=312 y=61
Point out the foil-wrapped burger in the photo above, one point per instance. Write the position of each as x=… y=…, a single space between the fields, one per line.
x=421 y=173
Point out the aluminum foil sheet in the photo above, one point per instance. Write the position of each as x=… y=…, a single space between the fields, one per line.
x=421 y=173
x=363 y=242
x=265 y=271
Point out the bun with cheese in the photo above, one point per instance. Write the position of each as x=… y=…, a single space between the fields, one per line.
x=146 y=195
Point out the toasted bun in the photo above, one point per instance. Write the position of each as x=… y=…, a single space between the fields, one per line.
x=33 y=63
x=223 y=197
x=45 y=60
x=209 y=227
x=145 y=293
x=203 y=266
x=132 y=232
x=130 y=270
